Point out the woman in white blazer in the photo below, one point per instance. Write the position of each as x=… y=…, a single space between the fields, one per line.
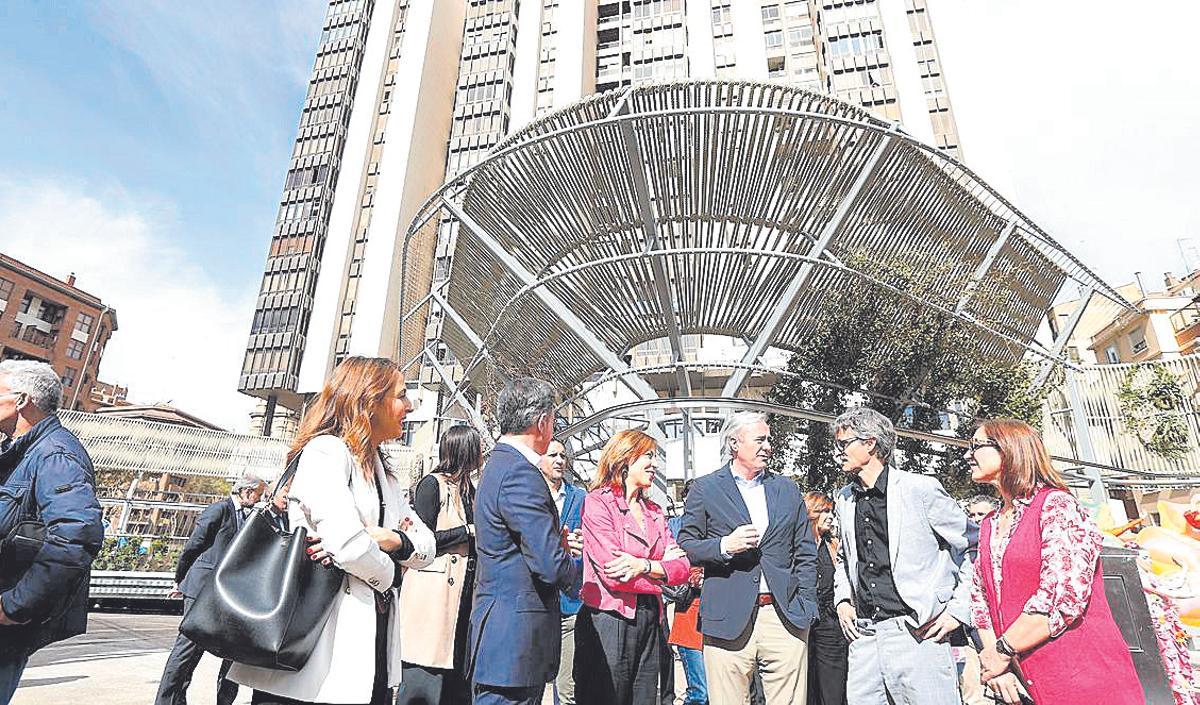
x=345 y=495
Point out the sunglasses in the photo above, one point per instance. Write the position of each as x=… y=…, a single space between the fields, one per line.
x=841 y=446
x=976 y=445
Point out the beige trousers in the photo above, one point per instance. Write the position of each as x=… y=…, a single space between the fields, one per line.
x=968 y=682
x=565 y=682
x=780 y=652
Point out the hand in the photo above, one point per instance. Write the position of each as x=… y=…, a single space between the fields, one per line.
x=5 y=620
x=846 y=616
x=175 y=593
x=696 y=577
x=743 y=538
x=992 y=663
x=1007 y=688
x=387 y=539
x=674 y=553
x=572 y=542
x=624 y=567
x=939 y=627
x=316 y=552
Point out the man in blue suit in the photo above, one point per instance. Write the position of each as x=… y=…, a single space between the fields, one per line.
x=523 y=558
x=568 y=500
x=749 y=529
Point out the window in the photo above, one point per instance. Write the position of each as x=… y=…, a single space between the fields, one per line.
x=6 y=289
x=770 y=13
x=774 y=39
x=1111 y=354
x=74 y=349
x=1137 y=341
x=68 y=376
x=798 y=36
x=796 y=8
x=84 y=323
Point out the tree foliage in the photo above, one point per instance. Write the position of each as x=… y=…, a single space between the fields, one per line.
x=911 y=360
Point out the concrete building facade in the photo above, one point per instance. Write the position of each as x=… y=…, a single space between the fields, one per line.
x=405 y=93
x=52 y=320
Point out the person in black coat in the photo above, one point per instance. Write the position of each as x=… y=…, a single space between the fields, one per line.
x=201 y=555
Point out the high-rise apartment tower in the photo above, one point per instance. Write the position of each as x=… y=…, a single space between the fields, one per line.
x=406 y=92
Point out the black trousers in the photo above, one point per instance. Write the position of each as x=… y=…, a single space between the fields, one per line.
x=617 y=659
x=828 y=652
x=181 y=664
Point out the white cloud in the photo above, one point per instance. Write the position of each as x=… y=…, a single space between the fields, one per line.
x=180 y=336
x=1082 y=113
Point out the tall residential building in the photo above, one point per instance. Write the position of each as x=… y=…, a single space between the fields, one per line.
x=407 y=92
x=51 y=320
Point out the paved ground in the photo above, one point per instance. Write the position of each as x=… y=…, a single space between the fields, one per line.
x=118 y=662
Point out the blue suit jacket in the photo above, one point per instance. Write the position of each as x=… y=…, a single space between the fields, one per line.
x=572 y=518
x=786 y=553
x=514 y=637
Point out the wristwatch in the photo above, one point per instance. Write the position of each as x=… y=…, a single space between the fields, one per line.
x=1003 y=647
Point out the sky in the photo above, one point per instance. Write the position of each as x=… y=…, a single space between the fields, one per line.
x=143 y=146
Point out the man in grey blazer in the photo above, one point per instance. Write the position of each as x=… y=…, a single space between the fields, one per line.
x=904 y=581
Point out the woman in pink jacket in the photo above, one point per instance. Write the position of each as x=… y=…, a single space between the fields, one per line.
x=628 y=555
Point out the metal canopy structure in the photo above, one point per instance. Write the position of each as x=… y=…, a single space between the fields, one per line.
x=711 y=207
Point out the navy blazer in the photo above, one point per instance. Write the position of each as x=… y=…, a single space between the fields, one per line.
x=206 y=546
x=572 y=518
x=514 y=637
x=786 y=553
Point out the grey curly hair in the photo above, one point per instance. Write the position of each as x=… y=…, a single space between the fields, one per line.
x=37 y=380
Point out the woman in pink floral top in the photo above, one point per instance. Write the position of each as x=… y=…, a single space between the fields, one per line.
x=1038 y=598
x=628 y=555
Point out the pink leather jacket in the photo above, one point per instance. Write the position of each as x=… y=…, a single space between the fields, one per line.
x=608 y=527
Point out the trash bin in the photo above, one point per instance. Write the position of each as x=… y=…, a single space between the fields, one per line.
x=1123 y=587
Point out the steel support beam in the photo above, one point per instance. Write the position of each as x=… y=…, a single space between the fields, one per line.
x=985 y=265
x=1064 y=337
x=658 y=265
x=1083 y=433
x=456 y=393
x=553 y=304
x=787 y=303
x=462 y=323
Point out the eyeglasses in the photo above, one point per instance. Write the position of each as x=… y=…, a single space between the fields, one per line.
x=841 y=446
x=976 y=445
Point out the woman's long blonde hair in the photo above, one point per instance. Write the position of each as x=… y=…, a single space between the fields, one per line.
x=618 y=454
x=355 y=391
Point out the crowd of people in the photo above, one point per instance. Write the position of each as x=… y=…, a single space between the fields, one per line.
x=488 y=581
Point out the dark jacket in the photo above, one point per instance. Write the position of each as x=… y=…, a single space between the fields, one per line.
x=572 y=518
x=51 y=595
x=205 y=548
x=515 y=632
x=786 y=553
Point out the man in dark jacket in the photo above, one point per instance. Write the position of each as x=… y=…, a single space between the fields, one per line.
x=201 y=555
x=45 y=476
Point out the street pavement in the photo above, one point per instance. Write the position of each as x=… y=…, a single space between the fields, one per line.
x=119 y=662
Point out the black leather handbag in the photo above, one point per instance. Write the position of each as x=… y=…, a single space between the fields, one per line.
x=267 y=602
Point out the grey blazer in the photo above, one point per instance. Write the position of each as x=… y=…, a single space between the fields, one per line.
x=928 y=538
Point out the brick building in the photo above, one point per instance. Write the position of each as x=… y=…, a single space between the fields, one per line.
x=47 y=319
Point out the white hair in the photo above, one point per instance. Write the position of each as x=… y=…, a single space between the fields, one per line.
x=249 y=481
x=733 y=428
x=36 y=379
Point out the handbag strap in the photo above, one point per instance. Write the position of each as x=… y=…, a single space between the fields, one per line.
x=292 y=466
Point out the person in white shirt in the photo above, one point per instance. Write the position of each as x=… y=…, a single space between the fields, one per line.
x=750 y=531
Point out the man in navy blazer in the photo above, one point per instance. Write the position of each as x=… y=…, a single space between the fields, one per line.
x=568 y=500
x=201 y=554
x=749 y=529
x=523 y=563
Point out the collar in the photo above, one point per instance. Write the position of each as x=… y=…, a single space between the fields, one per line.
x=523 y=449
x=745 y=484
x=560 y=492
x=880 y=487
x=17 y=447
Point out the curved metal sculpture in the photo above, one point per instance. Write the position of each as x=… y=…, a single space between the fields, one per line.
x=710 y=207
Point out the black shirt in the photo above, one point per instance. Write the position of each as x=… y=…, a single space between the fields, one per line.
x=877 y=595
x=825 y=579
x=427 y=503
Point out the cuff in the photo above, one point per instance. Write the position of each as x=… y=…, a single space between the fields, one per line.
x=405 y=551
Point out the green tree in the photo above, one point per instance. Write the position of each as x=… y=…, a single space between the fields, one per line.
x=912 y=360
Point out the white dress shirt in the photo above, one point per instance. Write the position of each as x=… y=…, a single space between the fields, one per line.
x=755 y=498
x=530 y=454
x=559 y=495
